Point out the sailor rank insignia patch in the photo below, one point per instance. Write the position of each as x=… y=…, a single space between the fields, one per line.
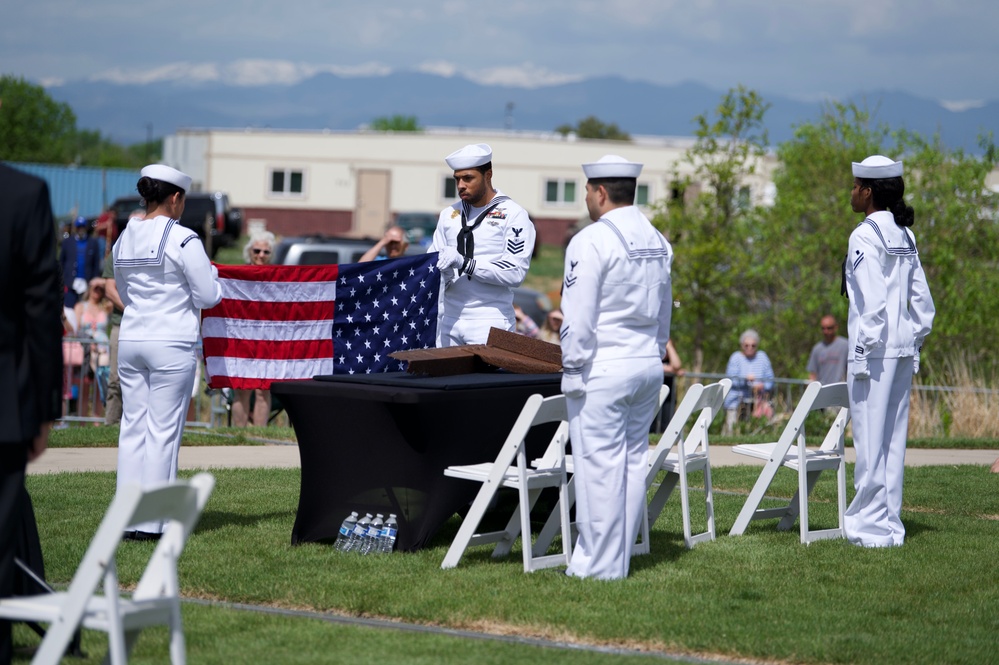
x=455 y=214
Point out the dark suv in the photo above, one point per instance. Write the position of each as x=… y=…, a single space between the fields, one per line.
x=206 y=213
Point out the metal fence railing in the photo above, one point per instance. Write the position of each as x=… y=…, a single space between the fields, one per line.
x=86 y=371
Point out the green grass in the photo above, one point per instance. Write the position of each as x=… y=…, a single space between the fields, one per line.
x=106 y=436
x=758 y=596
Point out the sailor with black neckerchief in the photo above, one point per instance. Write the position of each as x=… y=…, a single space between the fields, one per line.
x=485 y=242
x=164 y=279
x=617 y=305
x=891 y=312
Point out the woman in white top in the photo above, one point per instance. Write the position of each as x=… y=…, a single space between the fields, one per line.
x=164 y=278
x=891 y=312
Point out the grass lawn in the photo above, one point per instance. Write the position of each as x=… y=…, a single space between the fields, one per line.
x=762 y=596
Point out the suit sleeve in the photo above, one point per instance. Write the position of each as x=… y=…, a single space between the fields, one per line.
x=580 y=304
x=867 y=292
x=43 y=305
x=511 y=267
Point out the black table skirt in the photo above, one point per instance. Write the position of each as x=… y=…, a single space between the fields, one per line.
x=380 y=444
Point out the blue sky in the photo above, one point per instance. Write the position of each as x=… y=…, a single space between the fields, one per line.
x=806 y=49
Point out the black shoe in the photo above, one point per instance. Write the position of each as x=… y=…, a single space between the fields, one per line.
x=129 y=535
x=145 y=535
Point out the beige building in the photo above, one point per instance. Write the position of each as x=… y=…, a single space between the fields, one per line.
x=355 y=183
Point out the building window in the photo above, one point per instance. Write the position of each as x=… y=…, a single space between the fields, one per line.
x=560 y=192
x=642 y=195
x=287 y=182
x=450 y=189
x=744 y=199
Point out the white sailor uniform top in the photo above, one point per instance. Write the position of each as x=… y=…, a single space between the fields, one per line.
x=503 y=245
x=617 y=293
x=164 y=278
x=891 y=309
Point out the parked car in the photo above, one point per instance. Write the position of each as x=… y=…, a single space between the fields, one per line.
x=419 y=227
x=323 y=250
x=208 y=214
x=534 y=303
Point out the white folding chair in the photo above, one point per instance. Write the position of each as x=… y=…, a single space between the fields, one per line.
x=156 y=599
x=548 y=531
x=790 y=451
x=679 y=455
x=511 y=470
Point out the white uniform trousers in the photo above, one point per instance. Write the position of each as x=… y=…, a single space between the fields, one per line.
x=879 y=409
x=456 y=331
x=156 y=378
x=609 y=432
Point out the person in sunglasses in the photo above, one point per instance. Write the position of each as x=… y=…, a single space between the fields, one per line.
x=485 y=242
x=257 y=252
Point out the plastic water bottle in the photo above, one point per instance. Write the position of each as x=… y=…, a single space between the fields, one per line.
x=389 y=532
x=346 y=528
x=374 y=534
x=358 y=534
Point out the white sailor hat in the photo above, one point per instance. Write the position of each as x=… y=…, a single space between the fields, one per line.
x=469 y=157
x=877 y=166
x=612 y=166
x=167 y=174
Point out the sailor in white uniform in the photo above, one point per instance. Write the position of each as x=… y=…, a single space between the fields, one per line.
x=891 y=312
x=164 y=278
x=485 y=241
x=616 y=302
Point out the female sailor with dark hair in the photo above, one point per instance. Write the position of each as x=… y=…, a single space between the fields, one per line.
x=164 y=278
x=891 y=312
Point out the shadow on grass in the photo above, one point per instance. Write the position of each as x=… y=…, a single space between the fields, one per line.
x=215 y=520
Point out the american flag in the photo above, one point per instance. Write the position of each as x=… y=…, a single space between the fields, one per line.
x=281 y=323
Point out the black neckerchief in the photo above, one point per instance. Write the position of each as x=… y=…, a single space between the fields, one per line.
x=466 y=240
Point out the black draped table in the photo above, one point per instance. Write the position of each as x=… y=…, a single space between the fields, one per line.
x=380 y=444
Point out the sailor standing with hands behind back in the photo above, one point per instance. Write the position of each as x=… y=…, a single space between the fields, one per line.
x=485 y=242
x=164 y=278
x=616 y=302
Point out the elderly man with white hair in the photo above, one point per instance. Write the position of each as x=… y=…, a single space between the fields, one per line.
x=485 y=241
x=616 y=303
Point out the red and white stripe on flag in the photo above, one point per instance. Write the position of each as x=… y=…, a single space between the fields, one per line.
x=275 y=323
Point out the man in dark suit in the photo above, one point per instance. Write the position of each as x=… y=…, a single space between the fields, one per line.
x=30 y=352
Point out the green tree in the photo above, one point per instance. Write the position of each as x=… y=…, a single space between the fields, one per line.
x=33 y=126
x=957 y=231
x=396 y=123
x=800 y=242
x=592 y=127
x=710 y=231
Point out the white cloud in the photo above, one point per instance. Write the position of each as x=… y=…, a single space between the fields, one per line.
x=526 y=75
x=253 y=72
x=958 y=105
x=244 y=73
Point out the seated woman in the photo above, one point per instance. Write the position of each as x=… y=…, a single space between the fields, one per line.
x=752 y=379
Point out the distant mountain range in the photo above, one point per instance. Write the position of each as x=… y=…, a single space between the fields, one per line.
x=130 y=113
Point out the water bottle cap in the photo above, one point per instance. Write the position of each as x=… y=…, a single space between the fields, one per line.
x=354 y=513
x=392 y=515
x=379 y=515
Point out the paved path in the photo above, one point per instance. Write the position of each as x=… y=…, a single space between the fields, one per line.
x=58 y=460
